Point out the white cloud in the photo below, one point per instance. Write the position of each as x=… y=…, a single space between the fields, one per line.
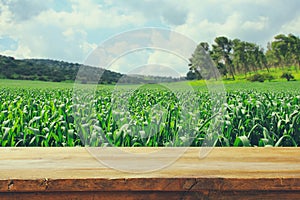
x=261 y=24
x=26 y=9
x=163 y=11
x=47 y=33
x=206 y=31
x=117 y=48
x=129 y=62
x=87 y=47
x=164 y=63
x=6 y=19
x=292 y=27
x=89 y=15
x=253 y=21
x=68 y=33
x=150 y=61
x=20 y=52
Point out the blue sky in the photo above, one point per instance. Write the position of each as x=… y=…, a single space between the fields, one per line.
x=70 y=30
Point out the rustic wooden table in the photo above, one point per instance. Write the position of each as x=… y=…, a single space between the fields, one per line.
x=225 y=173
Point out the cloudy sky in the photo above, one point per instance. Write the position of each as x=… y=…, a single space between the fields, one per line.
x=70 y=30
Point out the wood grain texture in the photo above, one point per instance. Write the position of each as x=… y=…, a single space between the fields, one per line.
x=225 y=173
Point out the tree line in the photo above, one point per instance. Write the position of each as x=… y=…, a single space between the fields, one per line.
x=232 y=57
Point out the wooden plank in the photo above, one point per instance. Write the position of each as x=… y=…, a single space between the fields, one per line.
x=257 y=172
x=129 y=195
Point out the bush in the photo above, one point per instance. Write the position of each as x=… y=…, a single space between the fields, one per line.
x=269 y=77
x=260 y=77
x=256 y=77
x=42 y=78
x=287 y=75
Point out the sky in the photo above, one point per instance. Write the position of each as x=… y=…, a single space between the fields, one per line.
x=71 y=30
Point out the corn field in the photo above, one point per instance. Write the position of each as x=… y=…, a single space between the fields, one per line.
x=147 y=117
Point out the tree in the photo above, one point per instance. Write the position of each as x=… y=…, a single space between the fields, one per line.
x=222 y=50
x=271 y=56
x=284 y=50
x=262 y=59
x=281 y=48
x=222 y=69
x=201 y=64
x=294 y=48
x=288 y=76
x=239 y=56
x=191 y=75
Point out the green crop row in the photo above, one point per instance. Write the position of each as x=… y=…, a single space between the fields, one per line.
x=147 y=117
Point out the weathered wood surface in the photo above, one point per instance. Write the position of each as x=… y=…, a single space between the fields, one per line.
x=225 y=173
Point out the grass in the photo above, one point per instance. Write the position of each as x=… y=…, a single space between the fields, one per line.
x=26 y=84
x=278 y=84
x=8 y=83
x=275 y=72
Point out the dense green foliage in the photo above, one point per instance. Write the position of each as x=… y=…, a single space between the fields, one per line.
x=48 y=70
x=54 y=117
x=233 y=57
x=260 y=77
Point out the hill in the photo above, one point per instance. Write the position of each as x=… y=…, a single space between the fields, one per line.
x=60 y=71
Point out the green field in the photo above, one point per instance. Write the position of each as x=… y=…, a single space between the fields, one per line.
x=34 y=113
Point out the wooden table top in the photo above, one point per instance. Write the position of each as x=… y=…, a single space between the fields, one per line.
x=75 y=169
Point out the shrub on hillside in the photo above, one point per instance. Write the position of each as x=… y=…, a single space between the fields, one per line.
x=287 y=75
x=256 y=77
x=268 y=77
x=260 y=77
